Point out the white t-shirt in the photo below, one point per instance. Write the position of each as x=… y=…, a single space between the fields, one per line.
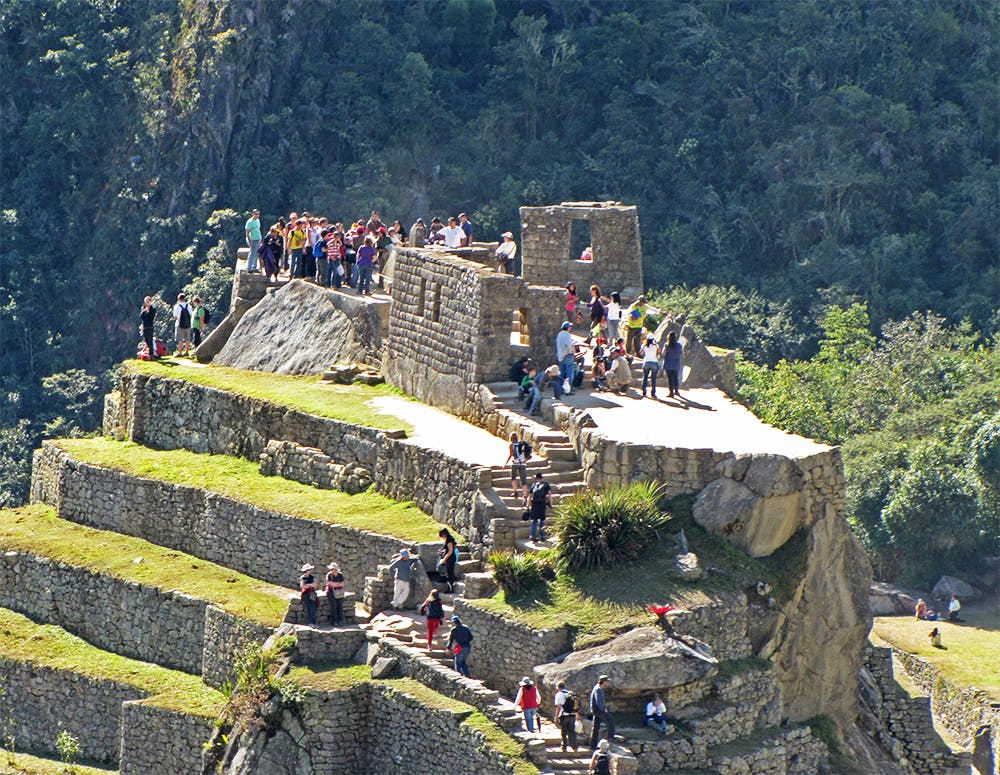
x=954 y=605
x=650 y=354
x=177 y=311
x=507 y=249
x=614 y=311
x=559 y=699
x=452 y=236
x=655 y=709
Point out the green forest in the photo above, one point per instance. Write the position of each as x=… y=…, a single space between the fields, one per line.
x=816 y=181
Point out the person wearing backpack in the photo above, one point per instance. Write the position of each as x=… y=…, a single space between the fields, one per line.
x=182 y=325
x=540 y=498
x=433 y=609
x=600 y=762
x=459 y=644
x=567 y=712
x=518 y=454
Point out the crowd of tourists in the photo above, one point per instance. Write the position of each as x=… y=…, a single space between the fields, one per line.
x=191 y=319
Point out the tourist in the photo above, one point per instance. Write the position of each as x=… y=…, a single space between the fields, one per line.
x=565 y=356
x=365 y=262
x=466 y=226
x=402 y=569
x=571 y=299
x=198 y=324
x=294 y=243
x=935 y=636
x=587 y=254
x=460 y=643
x=452 y=234
x=517 y=456
x=614 y=315
x=374 y=223
x=434 y=235
x=954 y=606
x=539 y=499
x=922 y=611
x=650 y=364
x=307 y=591
x=418 y=234
x=449 y=558
x=567 y=712
x=600 y=762
x=596 y=305
x=334 y=258
x=252 y=228
x=147 y=314
x=505 y=253
x=527 y=700
x=398 y=233
x=182 y=325
x=320 y=251
x=335 y=594
x=433 y=609
x=599 y=708
x=673 y=354
x=598 y=373
x=271 y=251
x=619 y=376
x=635 y=321
x=518 y=369
x=656 y=716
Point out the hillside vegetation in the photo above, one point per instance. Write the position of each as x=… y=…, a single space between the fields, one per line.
x=788 y=159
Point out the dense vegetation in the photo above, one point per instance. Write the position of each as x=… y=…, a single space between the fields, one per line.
x=797 y=157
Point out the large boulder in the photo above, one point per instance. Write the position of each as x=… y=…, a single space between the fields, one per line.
x=700 y=366
x=302 y=328
x=887 y=600
x=949 y=585
x=639 y=663
x=753 y=523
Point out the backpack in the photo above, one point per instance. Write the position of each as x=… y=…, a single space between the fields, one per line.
x=570 y=705
x=318 y=249
x=525 y=449
x=184 y=321
x=206 y=316
x=603 y=762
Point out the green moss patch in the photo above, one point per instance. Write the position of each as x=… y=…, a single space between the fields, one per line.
x=38 y=530
x=45 y=645
x=26 y=764
x=308 y=394
x=240 y=480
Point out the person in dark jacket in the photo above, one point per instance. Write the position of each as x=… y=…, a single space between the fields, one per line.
x=673 y=354
x=307 y=590
x=147 y=315
x=433 y=609
x=459 y=643
x=599 y=707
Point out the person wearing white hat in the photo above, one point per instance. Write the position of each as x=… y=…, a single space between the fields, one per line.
x=307 y=590
x=527 y=701
x=506 y=253
x=600 y=762
x=336 y=591
x=402 y=568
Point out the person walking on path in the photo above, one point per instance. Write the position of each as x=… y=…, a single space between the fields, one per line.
x=148 y=315
x=567 y=712
x=459 y=644
x=433 y=609
x=335 y=594
x=650 y=364
x=252 y=229
x=182 y=325
x=673 y=356
x=599 y=707
x=527 y=700
x=564 y=355
x=600 y=762
x=449 y=557
x=540 y=499
x=307 y=591
x=402 y=570
x=635 y=321
x=517 y=455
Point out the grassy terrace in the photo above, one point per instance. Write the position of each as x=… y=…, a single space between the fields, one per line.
x=38 y=530
x=305 y=393
x=972 y=657
x=45 y=645
x=335 y=676
x=239 y=479
x=26 y=764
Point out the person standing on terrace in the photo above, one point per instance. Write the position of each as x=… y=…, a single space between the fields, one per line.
x=252 y=228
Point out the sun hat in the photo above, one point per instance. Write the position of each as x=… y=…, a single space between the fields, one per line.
x=603 y=678
x=507 y=235
x=307 y=567
x=526 y=682
x=604 y=745
x=333 y=566
x=641 y=298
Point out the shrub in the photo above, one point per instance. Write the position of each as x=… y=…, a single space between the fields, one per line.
x=516 y=573
x=597 y=529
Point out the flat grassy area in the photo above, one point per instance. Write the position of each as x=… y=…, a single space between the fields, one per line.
x=972 y=657
x=38 y=530
x=308 y=394
x=45 y=645
x=26 y=764
x=239 y=479
x=599 y=604
x=338 y=676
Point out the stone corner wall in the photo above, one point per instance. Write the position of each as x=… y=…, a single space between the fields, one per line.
x=158 y=741
x=225 y=634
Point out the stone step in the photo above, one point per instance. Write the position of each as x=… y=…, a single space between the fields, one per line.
x=556 y=452
x=501 y=482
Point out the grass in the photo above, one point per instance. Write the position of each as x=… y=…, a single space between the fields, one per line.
x=599 y=604
x=339 y=676
x=45 y=645
x=240 y=480
x=26 y=764
x=38 y=530
x=972 y=657
x=308 y=394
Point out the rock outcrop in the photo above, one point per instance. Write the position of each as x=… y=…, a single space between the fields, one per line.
x=303 y=328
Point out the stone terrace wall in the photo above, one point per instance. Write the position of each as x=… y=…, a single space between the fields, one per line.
x=260 y=543
x=225 y=635
x=614 y=236
x=157 y=741
x=503 y=650
x=137 y=621
x=49 y=700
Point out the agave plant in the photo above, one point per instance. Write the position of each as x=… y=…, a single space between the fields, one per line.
x=516 y=573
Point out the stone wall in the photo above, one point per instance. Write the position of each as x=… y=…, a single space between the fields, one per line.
x=225 y=635
x=614 y=236
x=50 y=700
x=722 y=625
x=158 y=741
x=261 y=543
x=504 y=650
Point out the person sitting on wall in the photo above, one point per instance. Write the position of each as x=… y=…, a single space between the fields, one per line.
x=506 y=253
x=656 y=716
x=587 y=254
x=518 y=369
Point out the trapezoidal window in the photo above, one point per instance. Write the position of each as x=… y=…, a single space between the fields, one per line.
x=520 y=333
x=580 y=246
